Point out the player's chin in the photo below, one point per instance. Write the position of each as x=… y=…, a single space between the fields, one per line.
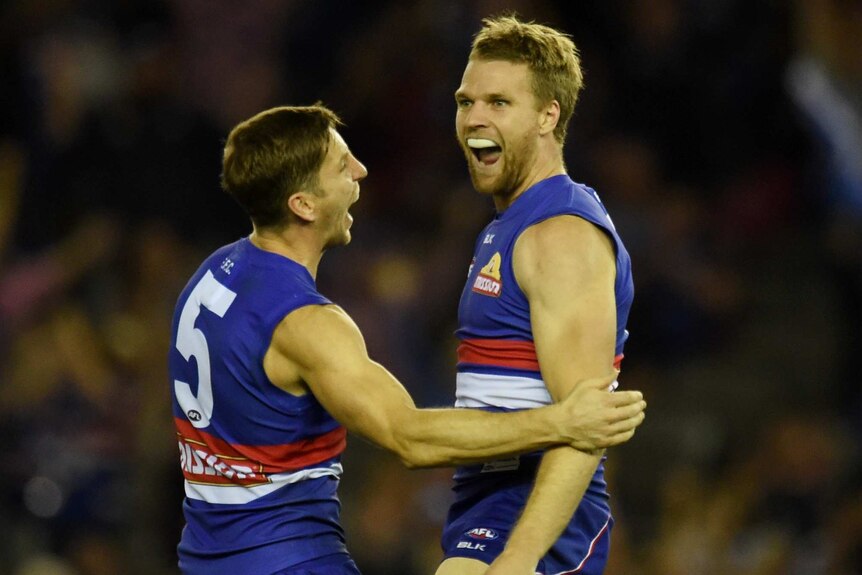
x=485 y=185
x=338 y=240
x=485 y=176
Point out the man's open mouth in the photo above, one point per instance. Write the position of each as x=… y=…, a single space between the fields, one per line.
x=486 y=151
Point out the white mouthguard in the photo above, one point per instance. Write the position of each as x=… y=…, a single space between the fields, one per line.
x=481 y=143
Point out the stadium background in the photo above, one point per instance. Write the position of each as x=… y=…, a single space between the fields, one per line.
x=724 y=136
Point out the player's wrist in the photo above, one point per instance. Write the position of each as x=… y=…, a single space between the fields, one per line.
x=559 y=427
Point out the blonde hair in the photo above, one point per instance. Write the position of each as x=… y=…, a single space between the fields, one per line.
x=551 y=56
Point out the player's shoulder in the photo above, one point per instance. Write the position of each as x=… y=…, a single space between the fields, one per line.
x=564 y=232
x=314 y=318
x=556 y=195
x=316 y=333
x=569 y=198
x=561 y=238
x=570 y=193
x=209 y=266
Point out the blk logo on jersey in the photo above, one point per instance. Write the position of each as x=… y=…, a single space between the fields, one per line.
x=470 y=545
x=488 y=280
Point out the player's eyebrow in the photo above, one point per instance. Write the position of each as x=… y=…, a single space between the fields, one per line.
x=490 y=97
x=496 y=96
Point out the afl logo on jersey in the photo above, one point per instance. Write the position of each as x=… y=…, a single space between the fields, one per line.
x=488 y=280
x=481 y=533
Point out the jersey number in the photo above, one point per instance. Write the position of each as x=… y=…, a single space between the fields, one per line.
x=191 y=342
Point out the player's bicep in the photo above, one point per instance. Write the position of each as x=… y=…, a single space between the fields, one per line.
x=329 y=354
x=566 y=267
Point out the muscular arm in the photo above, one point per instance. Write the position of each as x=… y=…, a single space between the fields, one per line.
x=322 y=347
x=566 y=267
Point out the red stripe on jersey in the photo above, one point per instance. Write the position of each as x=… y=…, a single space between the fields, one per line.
x=505 y=353
x=500 y=353
x=269 y=458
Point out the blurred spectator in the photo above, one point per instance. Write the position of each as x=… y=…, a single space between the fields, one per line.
x=825 y=81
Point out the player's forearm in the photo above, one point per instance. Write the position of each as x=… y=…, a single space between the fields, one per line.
x=432 y=438
x=562 y=479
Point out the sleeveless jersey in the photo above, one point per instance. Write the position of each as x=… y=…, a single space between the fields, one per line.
x=497 y=363
x=261 y=466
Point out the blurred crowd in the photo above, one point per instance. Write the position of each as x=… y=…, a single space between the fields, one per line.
x=725 y=137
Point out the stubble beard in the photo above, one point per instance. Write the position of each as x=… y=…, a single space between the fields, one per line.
x=516 y=159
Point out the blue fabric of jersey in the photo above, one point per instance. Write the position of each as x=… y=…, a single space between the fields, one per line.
x=480 y=523
x=268 y=286
x=299 y=521
x=485 y=497
x=508 y=316
x=340 y=564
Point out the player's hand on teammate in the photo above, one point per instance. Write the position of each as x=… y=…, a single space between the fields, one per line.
x=597 y=418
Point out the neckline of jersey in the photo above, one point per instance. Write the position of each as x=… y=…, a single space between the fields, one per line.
x=271 y=259
x=522 y=204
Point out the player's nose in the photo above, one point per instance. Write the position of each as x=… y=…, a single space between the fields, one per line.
x=359 y=170
x=476 y=116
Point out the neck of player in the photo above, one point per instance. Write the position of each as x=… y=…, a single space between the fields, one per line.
x=549 y=163
x=293 y=242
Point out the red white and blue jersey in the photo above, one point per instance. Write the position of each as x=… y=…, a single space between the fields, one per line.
x=261 y=466
x=497 y=363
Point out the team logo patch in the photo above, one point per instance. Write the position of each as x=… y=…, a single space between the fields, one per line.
x=488 y=281
x=482 y=533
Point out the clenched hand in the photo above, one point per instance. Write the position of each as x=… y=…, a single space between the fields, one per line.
x=595 y=418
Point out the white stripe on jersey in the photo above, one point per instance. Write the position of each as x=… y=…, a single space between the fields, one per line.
x=238 y=494
x=511 y=391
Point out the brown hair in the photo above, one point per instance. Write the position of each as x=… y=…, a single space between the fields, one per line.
x=551 y=56
x=273 y=155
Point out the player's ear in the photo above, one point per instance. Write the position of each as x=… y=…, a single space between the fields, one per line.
x=303 y=206
x=549 y=117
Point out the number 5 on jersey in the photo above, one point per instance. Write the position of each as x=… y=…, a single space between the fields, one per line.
x=191 y=342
